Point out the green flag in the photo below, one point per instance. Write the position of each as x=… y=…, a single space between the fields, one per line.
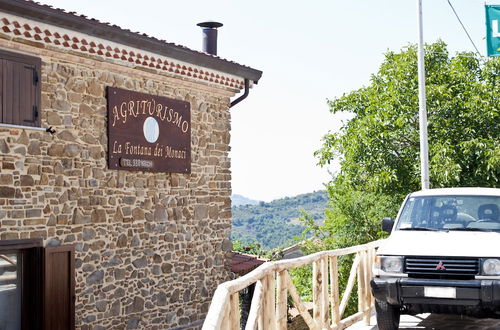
x=493 y=30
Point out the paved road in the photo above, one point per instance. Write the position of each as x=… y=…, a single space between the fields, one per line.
x=437 y=322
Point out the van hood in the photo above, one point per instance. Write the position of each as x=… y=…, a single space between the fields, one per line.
x=442 y=243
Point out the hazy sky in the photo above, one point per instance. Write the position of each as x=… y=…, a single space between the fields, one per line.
x=309 y=51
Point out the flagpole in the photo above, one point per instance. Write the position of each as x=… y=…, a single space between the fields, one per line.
x=424 y=148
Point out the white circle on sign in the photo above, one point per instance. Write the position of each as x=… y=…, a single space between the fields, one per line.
x=151 y=130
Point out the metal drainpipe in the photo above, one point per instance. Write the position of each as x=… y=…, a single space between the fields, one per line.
x=244 y=96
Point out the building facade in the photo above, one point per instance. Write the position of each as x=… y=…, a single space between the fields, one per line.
x=147 y=247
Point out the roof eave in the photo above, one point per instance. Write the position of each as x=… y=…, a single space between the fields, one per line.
x=113 y=33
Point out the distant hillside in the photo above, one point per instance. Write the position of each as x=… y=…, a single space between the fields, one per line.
x=274 y=224
x=242 y=200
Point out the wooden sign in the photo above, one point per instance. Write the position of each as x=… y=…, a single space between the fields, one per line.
x=148 y=132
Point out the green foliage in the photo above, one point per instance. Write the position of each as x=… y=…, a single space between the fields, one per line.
x=354 y=216
x=276 y=223
x=302 y=280
x=378 y=149
x=251 y=248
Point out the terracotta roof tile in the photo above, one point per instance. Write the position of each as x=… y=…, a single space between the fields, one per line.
x=242 y=263
x=67 y=40
x=95 y=21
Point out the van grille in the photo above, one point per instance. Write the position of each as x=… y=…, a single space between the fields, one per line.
x=442 y=266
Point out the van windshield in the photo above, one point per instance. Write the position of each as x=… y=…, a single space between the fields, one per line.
x=468 y=213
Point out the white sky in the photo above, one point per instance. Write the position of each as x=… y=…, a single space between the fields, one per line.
x=309 y=51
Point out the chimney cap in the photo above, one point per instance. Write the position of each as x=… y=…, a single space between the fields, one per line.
x=210 y=24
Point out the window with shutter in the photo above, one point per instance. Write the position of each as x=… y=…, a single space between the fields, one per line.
x=19 y=89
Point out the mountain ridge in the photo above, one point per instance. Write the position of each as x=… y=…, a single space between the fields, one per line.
x=238 y=200
x=275 y=223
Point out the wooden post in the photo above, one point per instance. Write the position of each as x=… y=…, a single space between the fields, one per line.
x=235 y=310
x=363 y=287
x=324 y=313
x=281 y=301
x=334 y=293
x=269 y=303
x=369 y=274
x=261 y=318
x=316 y=291
x=361 y=282
x=226 y=319
x=255 y=309
x=217 y=311
x=350 y=285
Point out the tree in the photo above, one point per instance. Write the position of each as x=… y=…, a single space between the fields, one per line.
x=378 y=148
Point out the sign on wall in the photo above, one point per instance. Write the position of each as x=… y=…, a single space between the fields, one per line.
x=493 y=30
x=148 y=132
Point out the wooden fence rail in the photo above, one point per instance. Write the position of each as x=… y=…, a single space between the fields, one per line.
x=273 y=285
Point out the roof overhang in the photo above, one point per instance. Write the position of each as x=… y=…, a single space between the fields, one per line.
x=57 y=17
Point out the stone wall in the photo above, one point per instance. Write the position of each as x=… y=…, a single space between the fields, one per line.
x=150 y=247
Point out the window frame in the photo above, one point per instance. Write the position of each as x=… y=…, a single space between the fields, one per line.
x=37 y=64
x=31 y=278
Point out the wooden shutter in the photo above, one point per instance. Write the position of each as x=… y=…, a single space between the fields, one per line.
x=59 y=288
x=20 y=89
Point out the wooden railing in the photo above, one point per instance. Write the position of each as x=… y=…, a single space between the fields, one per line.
x=273 y=284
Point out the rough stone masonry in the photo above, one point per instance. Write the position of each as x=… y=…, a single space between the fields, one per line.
x=150 y=247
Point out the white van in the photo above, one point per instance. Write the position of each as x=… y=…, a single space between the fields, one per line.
x=442 y=256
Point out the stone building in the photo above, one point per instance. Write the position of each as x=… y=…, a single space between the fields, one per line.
x=94 y=232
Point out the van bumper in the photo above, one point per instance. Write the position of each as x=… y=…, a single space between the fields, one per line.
x=407 y=291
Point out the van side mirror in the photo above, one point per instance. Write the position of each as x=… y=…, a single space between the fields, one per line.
x=387 y=224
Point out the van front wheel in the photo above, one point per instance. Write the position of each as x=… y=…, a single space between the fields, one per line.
x=387 y=315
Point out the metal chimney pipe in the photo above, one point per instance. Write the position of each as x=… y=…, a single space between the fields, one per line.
x=210 y=36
